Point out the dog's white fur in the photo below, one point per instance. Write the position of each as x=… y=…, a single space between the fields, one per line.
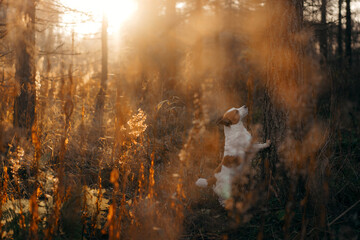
x=238 y=141
x=237 y=138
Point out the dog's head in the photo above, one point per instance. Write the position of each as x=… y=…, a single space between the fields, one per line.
x=233 y=116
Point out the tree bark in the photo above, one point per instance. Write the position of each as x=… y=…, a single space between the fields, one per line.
x=339 y=34
x=100 y=99
x=281 y=74
x=198 y=46
x=348 y=33
x=323 y=31
x=104 y=53
x=24 y=104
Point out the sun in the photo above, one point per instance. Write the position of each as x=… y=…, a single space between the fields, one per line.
x=117 y=12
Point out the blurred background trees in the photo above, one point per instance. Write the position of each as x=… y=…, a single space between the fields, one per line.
x=23 y=16
x=130 y=112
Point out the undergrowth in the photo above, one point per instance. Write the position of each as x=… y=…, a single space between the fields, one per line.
x=133 y=176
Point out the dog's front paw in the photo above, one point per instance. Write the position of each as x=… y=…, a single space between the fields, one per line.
x=202 y=182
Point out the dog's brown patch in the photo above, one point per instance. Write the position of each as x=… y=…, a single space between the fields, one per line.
x=230 y=118
x=227 y=161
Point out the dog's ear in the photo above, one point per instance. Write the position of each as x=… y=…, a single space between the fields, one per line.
x=229 y=118
x=223 y=121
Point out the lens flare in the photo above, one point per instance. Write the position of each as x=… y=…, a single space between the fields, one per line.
x=117 y=12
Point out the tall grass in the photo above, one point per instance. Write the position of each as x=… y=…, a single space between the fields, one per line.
x=134 y=178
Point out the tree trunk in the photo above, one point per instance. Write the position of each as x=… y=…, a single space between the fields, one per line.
x=348 y=34
x=104 y=53
x=339 y=34
x=281 y=74
x=284 y=74
x=100 y=99
x=43 y=93
x=24 y=104
x=323 y=31
x=198 y=46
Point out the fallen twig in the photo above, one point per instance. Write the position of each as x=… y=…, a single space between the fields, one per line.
x=342 y=214
x=332 y=222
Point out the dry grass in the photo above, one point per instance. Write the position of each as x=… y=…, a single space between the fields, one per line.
x=133 y=177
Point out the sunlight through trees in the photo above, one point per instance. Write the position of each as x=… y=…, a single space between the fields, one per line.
x=110 y=113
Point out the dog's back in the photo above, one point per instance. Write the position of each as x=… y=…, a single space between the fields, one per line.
x=237 y=140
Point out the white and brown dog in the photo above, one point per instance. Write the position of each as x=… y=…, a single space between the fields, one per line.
x=238 y=142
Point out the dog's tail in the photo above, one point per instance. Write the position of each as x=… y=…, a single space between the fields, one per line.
x=202 y=182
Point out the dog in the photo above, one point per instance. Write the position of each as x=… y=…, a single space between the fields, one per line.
x=238 y=142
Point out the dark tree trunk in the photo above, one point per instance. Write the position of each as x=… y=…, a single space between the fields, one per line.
x=44 y=93
x=280 y=73
x=100 y=99
x=339 y=34
x=335 y=81
x=299 y=8
x=24 y=104
x=283 y=111
x=323 y=31
x=104 y=53
x=348 y=34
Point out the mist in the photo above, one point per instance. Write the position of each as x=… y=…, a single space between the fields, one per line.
x=106 y=123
